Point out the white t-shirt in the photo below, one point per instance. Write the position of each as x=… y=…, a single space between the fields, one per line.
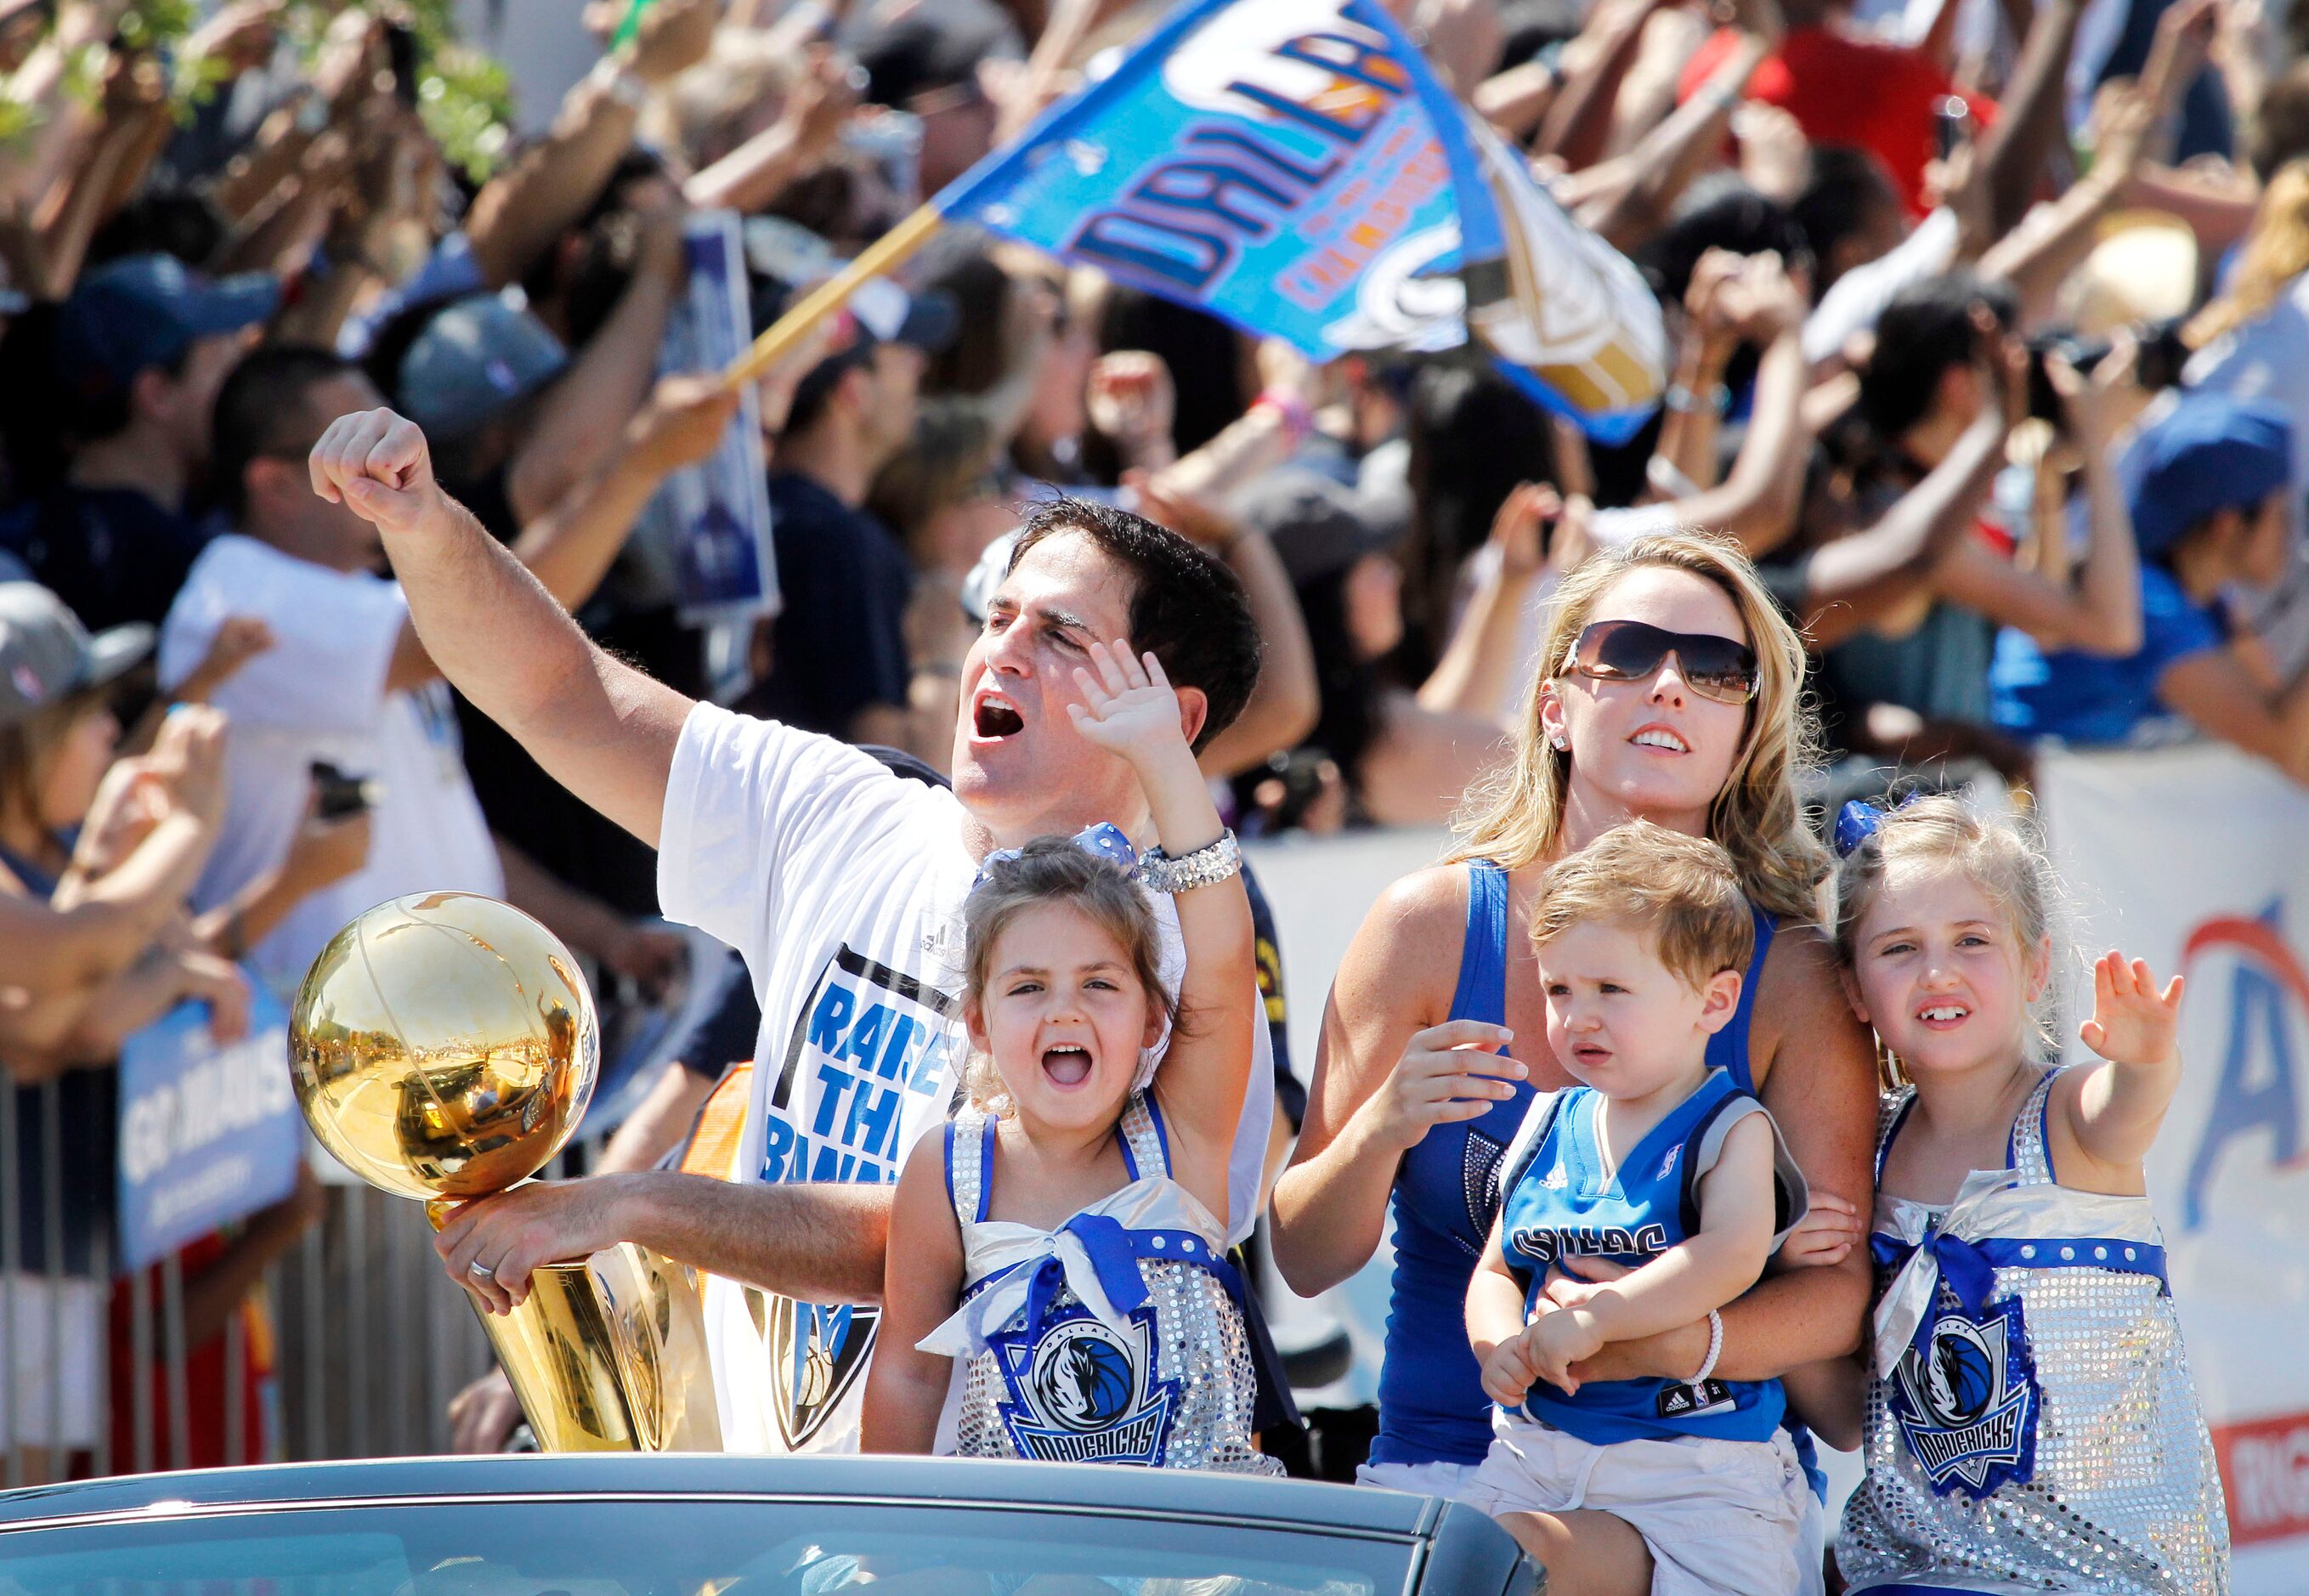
x=843 y=886
x=318 y=694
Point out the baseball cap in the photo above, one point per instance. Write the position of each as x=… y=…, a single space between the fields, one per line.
x=145 y=310
x=926 y=50
x=880 y=312
x=46 y=655
x=2212 y=452
x=1316 y=525
x=474 y=358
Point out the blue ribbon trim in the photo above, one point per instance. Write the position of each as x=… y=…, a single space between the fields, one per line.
x=1114 y=1251
x=1970 y=1267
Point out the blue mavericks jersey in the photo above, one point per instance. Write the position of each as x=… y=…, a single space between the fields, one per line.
x=1559 y=1205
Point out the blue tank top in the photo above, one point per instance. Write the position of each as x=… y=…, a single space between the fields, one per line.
x=1561 y=1203
x=1431 y=1406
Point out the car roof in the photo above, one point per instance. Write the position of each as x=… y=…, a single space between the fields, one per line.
x=1298 y=1504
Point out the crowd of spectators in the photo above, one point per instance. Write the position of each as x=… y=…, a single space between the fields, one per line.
x=1991 y=347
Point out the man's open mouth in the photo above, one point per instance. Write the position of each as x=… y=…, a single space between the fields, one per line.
x=996 y=716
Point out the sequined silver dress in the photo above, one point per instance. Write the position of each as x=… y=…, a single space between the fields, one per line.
x=2031 y=1424
x=1114 y=1339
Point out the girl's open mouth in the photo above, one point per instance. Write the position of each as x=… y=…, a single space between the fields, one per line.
x=1065 y=1065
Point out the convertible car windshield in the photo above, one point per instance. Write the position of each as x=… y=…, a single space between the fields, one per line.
x=574 y=1546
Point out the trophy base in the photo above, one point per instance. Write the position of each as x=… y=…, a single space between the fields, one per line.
x=607 y=1354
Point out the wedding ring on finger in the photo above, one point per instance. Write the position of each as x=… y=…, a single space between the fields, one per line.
x=480 y=1271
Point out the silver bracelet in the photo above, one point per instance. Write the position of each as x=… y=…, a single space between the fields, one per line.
x=1208 y=866
x=1715 y=1347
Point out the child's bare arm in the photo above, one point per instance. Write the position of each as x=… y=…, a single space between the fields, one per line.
x=2115 y=1108
x=1830 y=1228
x=1692 y=1279
x=1495 y=1325
x=922 y=1286
x=1130 y=707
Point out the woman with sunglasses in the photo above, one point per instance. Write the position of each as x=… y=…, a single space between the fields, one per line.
x=1673 y=695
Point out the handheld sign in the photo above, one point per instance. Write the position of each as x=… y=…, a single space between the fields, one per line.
x=209 y=1131
x=705 y=536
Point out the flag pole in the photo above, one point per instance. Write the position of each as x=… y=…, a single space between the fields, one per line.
x=828 y=297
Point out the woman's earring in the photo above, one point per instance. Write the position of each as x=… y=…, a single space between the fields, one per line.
x=1562 y=743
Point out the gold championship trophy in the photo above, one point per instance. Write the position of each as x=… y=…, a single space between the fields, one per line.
x=444 y=1046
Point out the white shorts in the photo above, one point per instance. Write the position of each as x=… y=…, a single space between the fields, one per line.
x=1452 y=1481
x=1720 y=1517
x=38 y=1379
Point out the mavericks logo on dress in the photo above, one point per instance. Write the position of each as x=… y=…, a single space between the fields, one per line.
x=1964 y=1396
x=1081 y=1394
x=817 y=1351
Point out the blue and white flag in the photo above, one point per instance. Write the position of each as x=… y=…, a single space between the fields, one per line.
x=1295 y=167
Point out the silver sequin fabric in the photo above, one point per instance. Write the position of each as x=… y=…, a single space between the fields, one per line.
x=1200 y=1352
x=2123 y=1497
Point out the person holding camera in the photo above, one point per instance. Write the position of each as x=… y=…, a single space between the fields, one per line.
x=2212 y=486
x=1947 y=379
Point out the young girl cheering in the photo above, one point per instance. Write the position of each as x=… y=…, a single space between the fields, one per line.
x=1058 y=1233
x=2029 y=1420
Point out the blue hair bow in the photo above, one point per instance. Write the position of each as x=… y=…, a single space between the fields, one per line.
x=1104 y=839
x=1860 y=820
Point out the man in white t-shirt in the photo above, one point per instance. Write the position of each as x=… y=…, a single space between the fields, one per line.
x=347 y=682
x=842 y=886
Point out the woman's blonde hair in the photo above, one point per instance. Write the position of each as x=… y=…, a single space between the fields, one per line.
x=1515 y=817
x=1053 y=870
x=1992 y=854
x=2275 y=253
x=27 y=750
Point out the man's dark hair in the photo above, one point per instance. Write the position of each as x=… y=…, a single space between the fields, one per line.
x=173 y=221
x=1718 y=212
x=814 y=395
x=1926 y=329
x=261 y=410
x=1844 y=187
x=1187 y=608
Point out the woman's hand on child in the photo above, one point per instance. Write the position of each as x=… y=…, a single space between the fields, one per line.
x=1826 y=1236
x=1129 y=707
x=2132 y=1021
x=1448 y=1073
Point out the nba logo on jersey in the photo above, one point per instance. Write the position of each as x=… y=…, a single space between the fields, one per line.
x=1082 y=1393
x=1965 y=1396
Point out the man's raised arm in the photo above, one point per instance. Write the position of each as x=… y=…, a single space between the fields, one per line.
x=599 y=728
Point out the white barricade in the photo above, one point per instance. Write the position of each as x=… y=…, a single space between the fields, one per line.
x=2197 y=859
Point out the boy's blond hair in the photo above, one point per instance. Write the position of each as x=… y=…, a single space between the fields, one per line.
x=1680 y=891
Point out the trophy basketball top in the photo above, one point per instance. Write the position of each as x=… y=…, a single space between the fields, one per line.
x=443 y=1045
